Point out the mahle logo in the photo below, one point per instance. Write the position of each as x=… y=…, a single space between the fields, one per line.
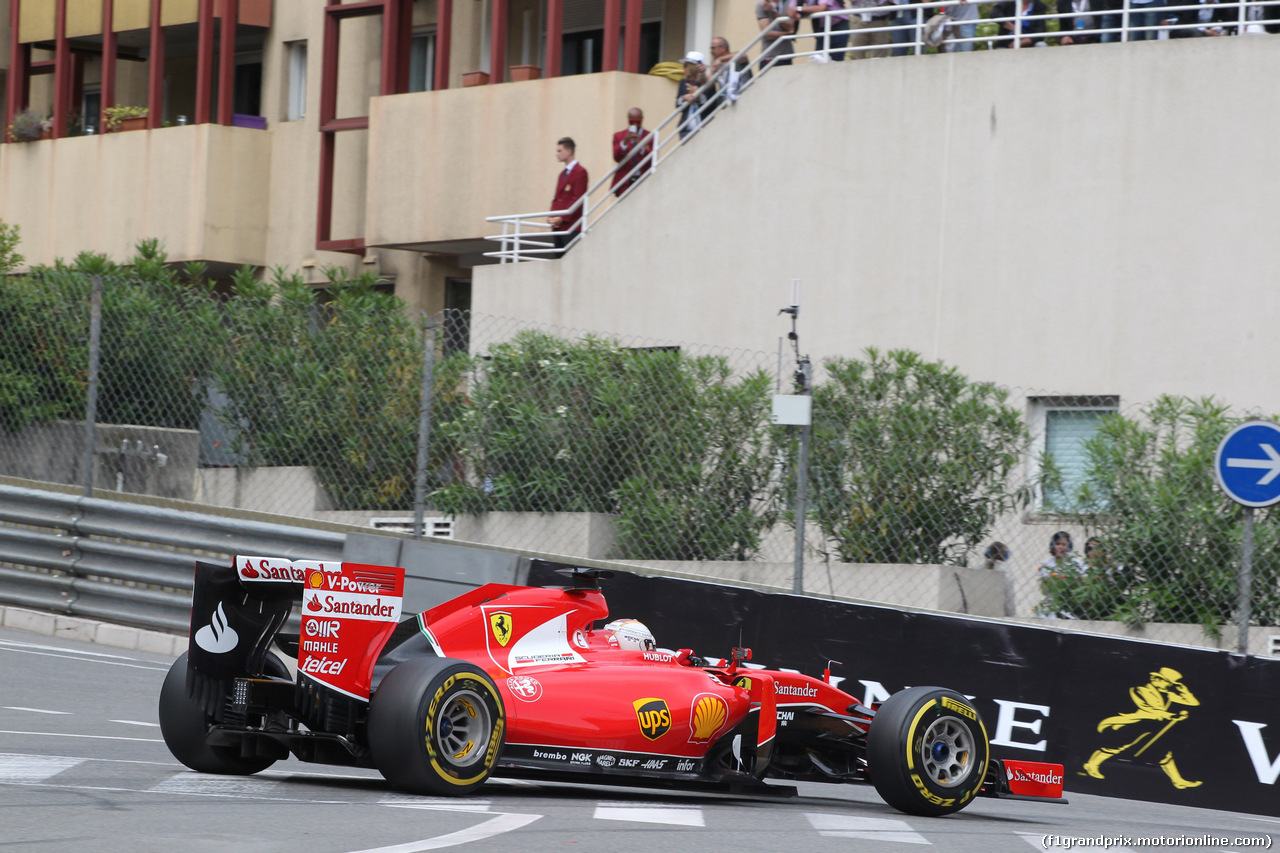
x=654 y=717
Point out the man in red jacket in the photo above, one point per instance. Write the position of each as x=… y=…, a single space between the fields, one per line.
x=633 y=138
x=571 y=185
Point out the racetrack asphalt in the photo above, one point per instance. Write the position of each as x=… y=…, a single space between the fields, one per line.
x=83 y=768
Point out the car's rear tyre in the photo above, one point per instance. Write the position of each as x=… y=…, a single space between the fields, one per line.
x=927 y=751
x=185 y=726
x=436 y=726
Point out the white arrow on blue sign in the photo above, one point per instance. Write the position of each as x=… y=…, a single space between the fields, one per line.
x=1247 y=465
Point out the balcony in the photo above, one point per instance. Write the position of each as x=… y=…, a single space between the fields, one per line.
x=202 y=190
x=440 y=162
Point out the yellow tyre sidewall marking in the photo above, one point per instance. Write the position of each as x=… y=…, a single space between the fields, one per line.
x=913 y=745
x=495 y=739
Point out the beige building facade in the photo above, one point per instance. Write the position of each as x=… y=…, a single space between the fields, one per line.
x=371 y=136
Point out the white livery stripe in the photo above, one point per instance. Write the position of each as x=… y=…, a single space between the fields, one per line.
x=29 y=769
x=866 y=828
x=671 y=814
x=479 y=832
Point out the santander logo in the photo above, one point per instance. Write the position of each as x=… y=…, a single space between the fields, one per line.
x=218 y=637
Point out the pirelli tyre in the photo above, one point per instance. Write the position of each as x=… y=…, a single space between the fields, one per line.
x=185 y=726
x=436 y=726
x=927 y=751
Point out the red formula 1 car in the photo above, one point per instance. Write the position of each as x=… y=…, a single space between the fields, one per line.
x=517 y=681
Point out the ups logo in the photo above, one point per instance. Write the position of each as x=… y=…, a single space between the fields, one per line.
x=654 y=717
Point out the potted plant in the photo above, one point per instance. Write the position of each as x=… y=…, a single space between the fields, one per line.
x=28 y=126
x=525 y=72
x=475 y=78
x=125 y=118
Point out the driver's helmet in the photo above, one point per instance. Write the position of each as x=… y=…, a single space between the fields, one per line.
x=631 y=634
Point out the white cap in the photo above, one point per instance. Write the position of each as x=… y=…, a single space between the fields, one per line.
x=695 y=56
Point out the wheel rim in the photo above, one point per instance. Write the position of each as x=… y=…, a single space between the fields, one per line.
x=947 y=752
x=463 y=728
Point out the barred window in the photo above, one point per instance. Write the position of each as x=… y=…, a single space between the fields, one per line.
x=1064 y=426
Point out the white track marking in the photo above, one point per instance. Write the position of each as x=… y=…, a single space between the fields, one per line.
x=1037 y=841
x=450 y=804
x=136 y=723
x=35 y=710
x=670 y=813
x=90 y=737
x=494 y=826
x=27 y=769
x=200 y=783
x=867 y=828
x=78 y=656
x=66 y=650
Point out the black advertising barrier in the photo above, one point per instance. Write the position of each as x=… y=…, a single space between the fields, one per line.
x=1126 y=718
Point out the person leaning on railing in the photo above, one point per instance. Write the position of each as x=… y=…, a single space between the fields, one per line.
x=729 y=76
x=1033 y=30
x=777 y=49
x=964 y=25
x=837 y=24
x=689 y=100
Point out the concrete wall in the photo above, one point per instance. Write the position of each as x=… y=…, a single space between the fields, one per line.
x=133 y=459
x=491 y=150
x=201 y=189
x=1091 y=220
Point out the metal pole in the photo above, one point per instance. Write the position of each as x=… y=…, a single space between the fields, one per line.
x=802 y=486
x=91 y=403
x=1243 y=603
x=424 y=427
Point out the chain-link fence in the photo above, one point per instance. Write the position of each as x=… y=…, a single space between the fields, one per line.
x=924 y=487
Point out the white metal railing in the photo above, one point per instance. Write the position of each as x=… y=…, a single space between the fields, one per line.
x=902 y=30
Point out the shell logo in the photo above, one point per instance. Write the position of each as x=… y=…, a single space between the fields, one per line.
x=706 y=717
x=315 y=579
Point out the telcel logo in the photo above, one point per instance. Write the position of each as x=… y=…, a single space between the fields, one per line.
x=324 y=666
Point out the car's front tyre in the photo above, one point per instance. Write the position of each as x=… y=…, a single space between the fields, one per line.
x=927 y=751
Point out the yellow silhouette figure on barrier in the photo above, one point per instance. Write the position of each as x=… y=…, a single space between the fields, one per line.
x=1137 y=730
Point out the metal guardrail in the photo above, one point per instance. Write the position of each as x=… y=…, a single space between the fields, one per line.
x=125 y=562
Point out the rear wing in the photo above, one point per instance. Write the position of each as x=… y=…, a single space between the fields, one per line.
x=348 y=612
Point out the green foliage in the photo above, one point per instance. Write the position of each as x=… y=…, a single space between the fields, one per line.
x=10 y=237
x=672 y=444
x=334 y=386
x=159 y=336
x=1171 y=538
x=910 y=461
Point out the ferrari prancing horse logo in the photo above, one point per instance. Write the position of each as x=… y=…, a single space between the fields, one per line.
x=501 y=625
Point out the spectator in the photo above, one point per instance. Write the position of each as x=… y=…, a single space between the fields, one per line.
x=908 y=28
x=778 y=48
x=1060 y=576
x=997 y=559
x=1110 y=18
x=1077 y=15
x=964 y=26
x=688 y=99
x=1032 y=30
x=571 y=185
x=730 y=76
x=869 y=27
x=1145 y=13
x=1208 y=20
x=838 y=25
x=632 y=166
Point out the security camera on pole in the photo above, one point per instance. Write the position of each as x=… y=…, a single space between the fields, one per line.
x=1247 y=468
x=797 y=410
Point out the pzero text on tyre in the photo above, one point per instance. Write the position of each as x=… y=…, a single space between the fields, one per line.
x=436 y=726
x=185 y=728
x=927 y=751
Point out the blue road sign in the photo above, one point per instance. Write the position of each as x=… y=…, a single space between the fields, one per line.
x=1247 y=465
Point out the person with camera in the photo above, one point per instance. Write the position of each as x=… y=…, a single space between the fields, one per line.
x=633 y=150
